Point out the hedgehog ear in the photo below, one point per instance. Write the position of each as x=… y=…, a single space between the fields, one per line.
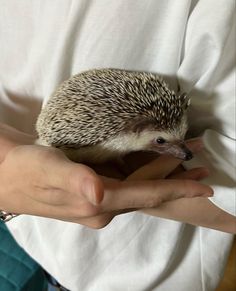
x=185 y=100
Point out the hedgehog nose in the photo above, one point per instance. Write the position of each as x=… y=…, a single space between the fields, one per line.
x=188 y=155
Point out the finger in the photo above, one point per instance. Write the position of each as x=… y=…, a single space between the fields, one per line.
x=193 y=174
x=157 y=169
x=145 y=194
x=195 y=144
x=73 y=178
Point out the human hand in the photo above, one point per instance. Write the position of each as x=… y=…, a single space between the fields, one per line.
x=165 y=166
x=198 y=211
x=168 y=167
x=41 y=181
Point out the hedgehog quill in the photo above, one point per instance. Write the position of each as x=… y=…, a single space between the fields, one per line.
x=103 y=114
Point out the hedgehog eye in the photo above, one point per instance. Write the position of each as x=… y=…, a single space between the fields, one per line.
x=160 y=140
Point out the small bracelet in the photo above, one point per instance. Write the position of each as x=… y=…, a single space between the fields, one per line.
x=6 y=216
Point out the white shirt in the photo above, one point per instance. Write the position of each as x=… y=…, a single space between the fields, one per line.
x=190 y=43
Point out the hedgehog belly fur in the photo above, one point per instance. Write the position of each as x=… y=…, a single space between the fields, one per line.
x=91 y=154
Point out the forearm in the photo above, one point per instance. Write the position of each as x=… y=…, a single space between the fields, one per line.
x=196 y=211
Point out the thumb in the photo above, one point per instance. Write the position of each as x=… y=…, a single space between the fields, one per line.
x=84 y=181
x=77 y=179
x=151 y=193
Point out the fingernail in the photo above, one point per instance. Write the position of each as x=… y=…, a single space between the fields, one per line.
x=89 y=190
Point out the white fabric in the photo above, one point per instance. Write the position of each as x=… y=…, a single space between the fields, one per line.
x=191 y=43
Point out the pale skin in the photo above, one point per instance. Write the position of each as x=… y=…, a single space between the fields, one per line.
x=41 y=181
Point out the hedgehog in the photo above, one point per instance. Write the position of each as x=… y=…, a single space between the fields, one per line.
x=104 y=114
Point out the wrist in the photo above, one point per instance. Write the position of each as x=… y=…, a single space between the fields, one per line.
x=6 y=216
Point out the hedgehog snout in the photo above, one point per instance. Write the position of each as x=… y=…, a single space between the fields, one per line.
x=176 y=149
x=188 y=155
x=181 y=151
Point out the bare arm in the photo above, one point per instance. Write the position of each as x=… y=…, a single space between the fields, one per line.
x=196 y=211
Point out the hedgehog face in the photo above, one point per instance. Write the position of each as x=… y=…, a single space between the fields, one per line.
x=170 y=146
x=162 y=142
x=169 y=141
